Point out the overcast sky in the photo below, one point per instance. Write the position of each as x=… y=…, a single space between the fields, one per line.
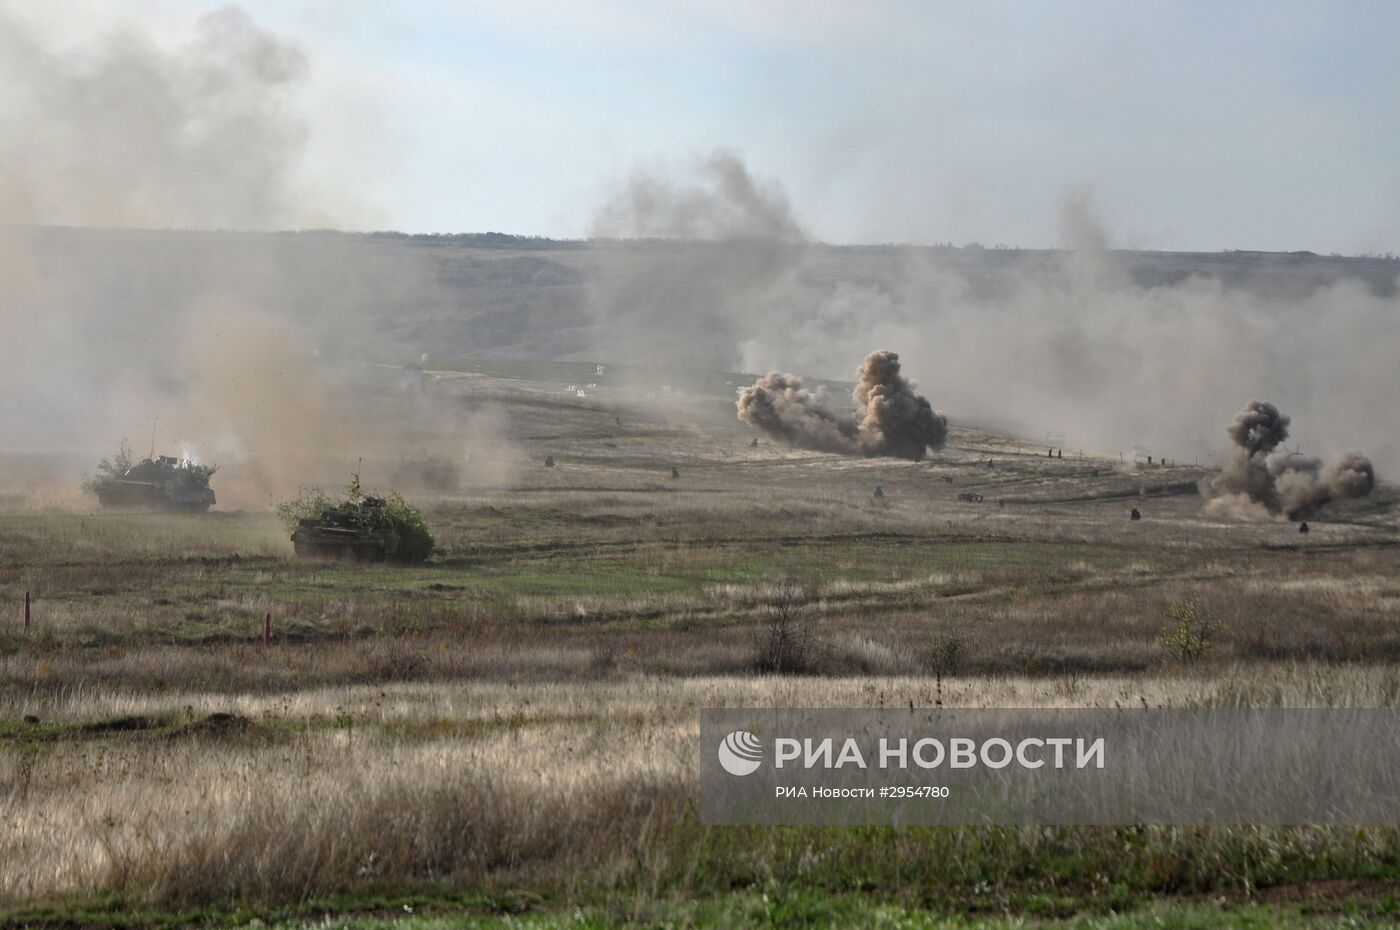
x=1265 y=125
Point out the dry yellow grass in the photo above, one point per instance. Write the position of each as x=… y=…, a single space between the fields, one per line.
x=477 y=782
x=525 y=712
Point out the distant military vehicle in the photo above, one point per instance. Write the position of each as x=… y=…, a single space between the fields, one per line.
x=971 y=497
x=160 y=482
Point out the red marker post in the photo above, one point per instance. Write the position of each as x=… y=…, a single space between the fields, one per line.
x=267 y=629
x=26 y=611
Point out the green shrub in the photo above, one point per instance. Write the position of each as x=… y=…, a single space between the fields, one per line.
x=1189 y=639
x=945 y=655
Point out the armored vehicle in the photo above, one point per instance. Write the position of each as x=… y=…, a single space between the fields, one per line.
x=363 y=527
x=161 y=482
x=343 y=533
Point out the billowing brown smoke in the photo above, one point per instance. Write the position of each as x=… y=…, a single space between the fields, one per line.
x=1306 y=486
x=779 y=405
x=890 y=418
x=894 y=420
x=1260 y=480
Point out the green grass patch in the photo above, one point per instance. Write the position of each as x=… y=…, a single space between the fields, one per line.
x=46 y=537
x=739 y=911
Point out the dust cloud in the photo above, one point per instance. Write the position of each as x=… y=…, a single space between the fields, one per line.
x=890 y=418
x=132 y=133
x=1113 y=350
x=709 y=246
x=1262 y=480
x=781 y=406
x=244 y=350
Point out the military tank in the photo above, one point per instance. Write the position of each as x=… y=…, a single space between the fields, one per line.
x=160 y=482
x=357 y=526
x=342 y=533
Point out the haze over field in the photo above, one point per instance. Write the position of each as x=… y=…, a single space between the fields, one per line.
x=246 y=346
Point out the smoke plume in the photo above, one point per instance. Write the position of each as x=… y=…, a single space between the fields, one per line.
x=890 y=418
x=1112 y=349
x=721 y=245
x=893 y=420
x=132 y=132
x=1261 y=480
x=783 y=408
x=235 y=346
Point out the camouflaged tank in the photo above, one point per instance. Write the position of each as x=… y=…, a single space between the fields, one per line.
x=161 y=482
x=355 y=525
x=343 y=533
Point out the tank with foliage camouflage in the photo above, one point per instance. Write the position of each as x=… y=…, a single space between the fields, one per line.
x=357 y=526
x=160 y=482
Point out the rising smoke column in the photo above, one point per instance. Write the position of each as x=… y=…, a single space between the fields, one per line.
x=890 y=419
x=724 y=246
x=894 y=420
x=1256 y=432
x=1260 y=480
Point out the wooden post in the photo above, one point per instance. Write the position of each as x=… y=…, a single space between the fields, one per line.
x=267 y=629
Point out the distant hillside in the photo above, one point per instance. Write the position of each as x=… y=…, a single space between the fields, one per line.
x=389 y=296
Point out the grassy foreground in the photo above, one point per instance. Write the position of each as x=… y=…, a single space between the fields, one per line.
x=740 y=912
x=507 y=735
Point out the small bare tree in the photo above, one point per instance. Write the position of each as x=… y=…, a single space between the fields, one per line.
x=785 y=647
x=1189 y=639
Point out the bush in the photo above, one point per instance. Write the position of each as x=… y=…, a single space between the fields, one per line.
x=784 y=648
x=1189 y=639
x=118 y=465
x=945 y=655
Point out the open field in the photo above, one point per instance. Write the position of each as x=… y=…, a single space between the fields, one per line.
x=511 y=728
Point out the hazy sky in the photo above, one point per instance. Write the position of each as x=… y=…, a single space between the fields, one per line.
x=1265 y=125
